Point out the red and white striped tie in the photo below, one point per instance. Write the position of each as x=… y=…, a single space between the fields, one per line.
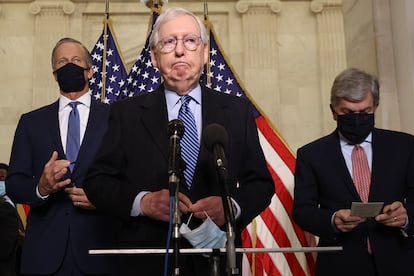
x=361 y=175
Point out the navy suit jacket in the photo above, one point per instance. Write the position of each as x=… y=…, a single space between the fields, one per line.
x=51 y=223
x=323 y=185
x=134 y=158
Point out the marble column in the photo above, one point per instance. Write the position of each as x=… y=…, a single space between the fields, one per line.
x=52 y=20
x=332 y=53
x=260 y=51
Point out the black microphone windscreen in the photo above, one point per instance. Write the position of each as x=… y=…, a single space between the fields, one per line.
x=176 y=126
x=215 y=134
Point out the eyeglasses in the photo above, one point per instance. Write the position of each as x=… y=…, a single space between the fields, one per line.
x=168 y=44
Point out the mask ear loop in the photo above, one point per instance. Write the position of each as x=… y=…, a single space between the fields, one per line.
x=189 y=218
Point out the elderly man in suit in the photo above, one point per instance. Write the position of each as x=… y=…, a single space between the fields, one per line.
x=358 y=163
x=52 y=150
x=130 y=175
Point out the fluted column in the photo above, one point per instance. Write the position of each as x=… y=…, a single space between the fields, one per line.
x=51 y=24
x=260 y=51
x=332 y=52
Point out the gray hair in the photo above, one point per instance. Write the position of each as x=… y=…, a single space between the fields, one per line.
x=169 y=15
x=354 y=85
x=71 y=40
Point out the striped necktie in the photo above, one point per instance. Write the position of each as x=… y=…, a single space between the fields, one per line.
x=73 y=138
x=189 y=142
x=361 y=174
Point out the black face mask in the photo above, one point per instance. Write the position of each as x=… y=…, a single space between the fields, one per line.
x=355 y=127
x=71 y=78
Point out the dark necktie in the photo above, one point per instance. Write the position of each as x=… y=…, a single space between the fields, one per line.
x=73 y=138
x=189 y=142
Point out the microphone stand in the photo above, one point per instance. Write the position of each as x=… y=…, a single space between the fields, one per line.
x=229 y=219
x=174 y=183
x=176 y=221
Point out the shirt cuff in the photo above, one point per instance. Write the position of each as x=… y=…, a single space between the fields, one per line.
x=136 y=205
x=39 y=195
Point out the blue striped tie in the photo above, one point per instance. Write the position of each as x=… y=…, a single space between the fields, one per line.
x=189 y=142
x=73 y=138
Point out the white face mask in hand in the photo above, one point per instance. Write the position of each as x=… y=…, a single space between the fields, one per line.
x=207 y=235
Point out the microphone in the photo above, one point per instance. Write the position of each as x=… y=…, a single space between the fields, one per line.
x=175 y=132
x=216 y=139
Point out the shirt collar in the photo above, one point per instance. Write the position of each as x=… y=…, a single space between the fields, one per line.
x=344 y=142
x=172 y=97
x=84 y=99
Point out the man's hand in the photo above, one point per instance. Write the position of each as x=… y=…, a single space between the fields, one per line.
x=394 y=215
x=344 y=222
x=79 y=198
x=213 y=206
x=51 y=180
x=156 y=205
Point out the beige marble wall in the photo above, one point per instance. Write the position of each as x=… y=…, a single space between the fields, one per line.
x=285 y=52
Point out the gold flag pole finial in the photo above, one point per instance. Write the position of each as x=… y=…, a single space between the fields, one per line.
x=157 y=4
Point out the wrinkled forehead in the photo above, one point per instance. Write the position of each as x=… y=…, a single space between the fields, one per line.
x=179 y=26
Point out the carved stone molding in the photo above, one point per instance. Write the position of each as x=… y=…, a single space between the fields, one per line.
x=243 y=6
x=36 y=7
x=317 y=6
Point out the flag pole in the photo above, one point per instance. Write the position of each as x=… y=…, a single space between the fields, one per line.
x=105 y=40
x=207 y=23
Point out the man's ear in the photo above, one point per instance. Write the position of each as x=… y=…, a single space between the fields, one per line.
x=334 y=115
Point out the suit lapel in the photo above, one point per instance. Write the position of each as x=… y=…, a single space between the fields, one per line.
x=155 y=118
x=93 y=133
x=54 y=130
x=214 y=108
x=339 y=165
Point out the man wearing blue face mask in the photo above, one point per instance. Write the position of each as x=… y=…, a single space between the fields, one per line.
x=52 y=150
x=358 y=163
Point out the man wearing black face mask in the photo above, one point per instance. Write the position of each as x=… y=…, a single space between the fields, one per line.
x=52 y=150
x=358 y=163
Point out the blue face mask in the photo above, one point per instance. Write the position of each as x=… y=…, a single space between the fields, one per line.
x=2 y=188
x=207 y=235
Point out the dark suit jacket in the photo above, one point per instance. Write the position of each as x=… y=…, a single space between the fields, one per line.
x=134 y=158
x=8 y=238
x=51 y=223
x=323 y=185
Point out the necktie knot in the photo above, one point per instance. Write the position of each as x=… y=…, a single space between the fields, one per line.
x=73 y=104
x=185 y=100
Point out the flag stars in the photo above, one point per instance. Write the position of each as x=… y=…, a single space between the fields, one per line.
x=154 y=80
x=229 y=81
x=142 y=87
x=148 y=64
x=115 y=68
x=112 y=79
x=221 y=67
x=213 y=52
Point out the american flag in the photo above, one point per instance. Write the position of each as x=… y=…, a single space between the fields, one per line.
x=107 y=89
x=274 y=227
x=143 y=77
